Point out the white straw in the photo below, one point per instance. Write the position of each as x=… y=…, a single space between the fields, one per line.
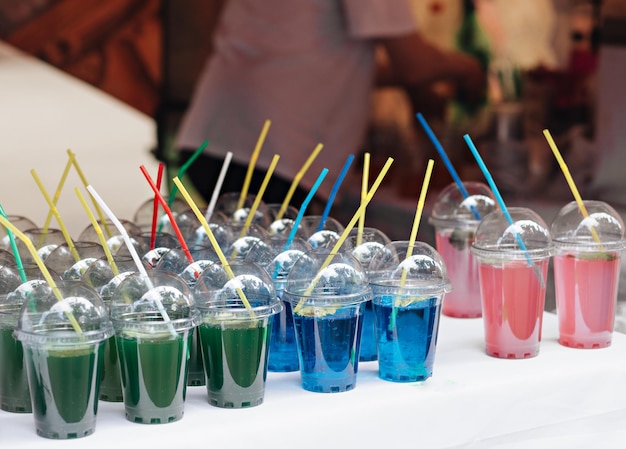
x=131 y=249
x=218 y=187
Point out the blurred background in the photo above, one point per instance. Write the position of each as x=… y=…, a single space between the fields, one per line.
x=555 y=64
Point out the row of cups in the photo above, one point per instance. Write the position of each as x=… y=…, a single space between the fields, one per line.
x=499 y=264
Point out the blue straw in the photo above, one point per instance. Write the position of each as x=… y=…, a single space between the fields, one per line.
x=16 y=253
x=303 y=207
x=500 y=201
x=446 y=160
x=333 y=192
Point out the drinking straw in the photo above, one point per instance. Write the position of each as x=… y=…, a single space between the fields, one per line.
x=333 y=192
x=218 y=187
x=44 y=270
x=131 y=248
x=57 y=193
x=413 y=235
x=183 y=169
x=446 y=160
x=253 y=158
x=83 y=179
x=16 y=253
x=302 y=210
x=570 y=181
x=346 y=231
x=296 y=180
x=500 y=201
x=98 y=229
x=169 y=213
x=212 y=239
x=57 y=215
x=364 y=183
x=259 y=195
x=155 y=208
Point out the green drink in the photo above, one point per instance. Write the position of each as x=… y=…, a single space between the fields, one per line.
x=110 y=383
x=14 y=392
x=154 y=318
x=235 y=355
x=64 y=385
x=154 y=376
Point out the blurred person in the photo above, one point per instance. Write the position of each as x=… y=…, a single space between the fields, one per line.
x=310 y=67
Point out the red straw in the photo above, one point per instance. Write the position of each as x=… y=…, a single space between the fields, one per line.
x=168 y=211
x=155 y=210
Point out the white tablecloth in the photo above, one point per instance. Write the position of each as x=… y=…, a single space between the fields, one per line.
x=563 y=398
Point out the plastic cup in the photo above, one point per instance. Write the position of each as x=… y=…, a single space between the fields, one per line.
x=512 y=281
x=234 y=338
x=14 y=392
x=154 y=318
x=328 y=318
x=586 y=271
x=20 y=222
x=45 y=241
x=144 y=213
x=63 y=365
x=228 y=203
x=372 y=240
x=408 y=293
x=278 y=262
x=455 y=220
x=100 y=276
x=62 y=260
x=115 y=241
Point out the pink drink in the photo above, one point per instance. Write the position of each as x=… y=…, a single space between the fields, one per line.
x=586 y=292
x=464 y=299
x=513 y=301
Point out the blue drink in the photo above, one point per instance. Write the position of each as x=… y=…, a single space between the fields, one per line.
x=368 y=337
x=283 y=347
x=406 y=336
x=329 y=348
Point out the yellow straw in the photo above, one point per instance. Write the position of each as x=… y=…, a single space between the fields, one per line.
x=209 y=233
x=570 y=181
x=347 y=230
x=252 y=163
x=96 y=226
x=81 y=175
x=57 y=194
x=413 y=236
x=297 y=179
x=364 y=183
x=55 y=211
x=44 y=270
x=259 y=195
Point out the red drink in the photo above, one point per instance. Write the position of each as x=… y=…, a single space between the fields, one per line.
x=513 y=299
x=586 y=292
x=464 y=299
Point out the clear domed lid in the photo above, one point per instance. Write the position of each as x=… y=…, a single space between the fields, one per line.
x=72 y=313
x=527 y=237
x=246 y=292
x=321 y=278
x=602 y=228
x=417 y=267
x=153 y=303
x=453 y=209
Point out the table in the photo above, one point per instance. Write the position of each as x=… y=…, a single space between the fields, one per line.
x=43 y=113
x=563 y=398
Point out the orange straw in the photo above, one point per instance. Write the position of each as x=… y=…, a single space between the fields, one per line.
x=169 y=213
